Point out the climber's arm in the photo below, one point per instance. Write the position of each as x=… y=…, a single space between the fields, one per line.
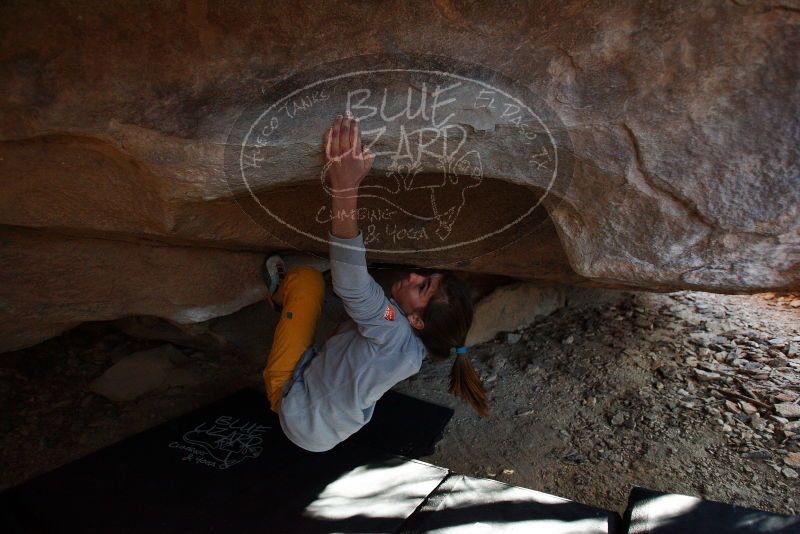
x=346 y=166
x=345 y=226
x=362 y=297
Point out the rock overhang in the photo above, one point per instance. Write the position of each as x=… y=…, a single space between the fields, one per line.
x=682 y=125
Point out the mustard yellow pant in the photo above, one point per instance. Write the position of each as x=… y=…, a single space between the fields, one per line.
x=303 y=296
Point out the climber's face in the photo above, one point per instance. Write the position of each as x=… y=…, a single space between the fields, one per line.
x=413 y=292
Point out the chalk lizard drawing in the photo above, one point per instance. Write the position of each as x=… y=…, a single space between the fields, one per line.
x=227 y=440
x=402 y=174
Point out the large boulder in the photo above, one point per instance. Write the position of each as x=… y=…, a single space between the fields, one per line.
x=675 y=125
x=53 y=282
x=512 y=306
x=136 y=374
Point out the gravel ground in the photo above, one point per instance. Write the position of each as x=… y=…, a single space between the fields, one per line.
x=592 y=401
x=644 y=389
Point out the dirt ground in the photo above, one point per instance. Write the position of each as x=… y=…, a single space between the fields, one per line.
x=635 y=389
x=583 y=408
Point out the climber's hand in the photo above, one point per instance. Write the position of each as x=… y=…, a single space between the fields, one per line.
x=346 y=162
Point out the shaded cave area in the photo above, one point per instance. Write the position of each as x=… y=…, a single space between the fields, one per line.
x=604 y=392
x=502 y=229
x=598 y=388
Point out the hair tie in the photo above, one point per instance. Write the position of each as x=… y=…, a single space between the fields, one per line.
x=461 y=350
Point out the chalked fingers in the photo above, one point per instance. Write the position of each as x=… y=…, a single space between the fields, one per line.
x=344 y=137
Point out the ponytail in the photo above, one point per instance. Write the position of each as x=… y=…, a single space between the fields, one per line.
x=447 y=320
x=466 y=384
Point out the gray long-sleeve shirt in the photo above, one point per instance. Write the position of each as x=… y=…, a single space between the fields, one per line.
x=333 y=391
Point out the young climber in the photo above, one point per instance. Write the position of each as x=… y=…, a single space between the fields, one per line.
x=323 y=396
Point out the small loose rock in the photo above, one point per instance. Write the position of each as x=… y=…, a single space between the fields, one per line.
x=792 y=459
x=788 y=410
x=512 y=338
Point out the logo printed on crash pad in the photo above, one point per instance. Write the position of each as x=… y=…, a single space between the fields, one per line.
x=388 y=314
x=222 y=444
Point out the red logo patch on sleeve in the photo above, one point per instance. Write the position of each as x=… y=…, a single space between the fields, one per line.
x=389 y=314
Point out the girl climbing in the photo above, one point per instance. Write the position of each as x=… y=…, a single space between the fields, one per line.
x=324 y=396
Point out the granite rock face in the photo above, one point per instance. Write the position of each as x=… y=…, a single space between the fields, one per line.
x=511 y=307
x=675 y=125
x=54 y=282
x=136 y=374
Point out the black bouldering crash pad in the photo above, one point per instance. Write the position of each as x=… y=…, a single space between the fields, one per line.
x=468 y=504
x=228 y=467
x=654 y=512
